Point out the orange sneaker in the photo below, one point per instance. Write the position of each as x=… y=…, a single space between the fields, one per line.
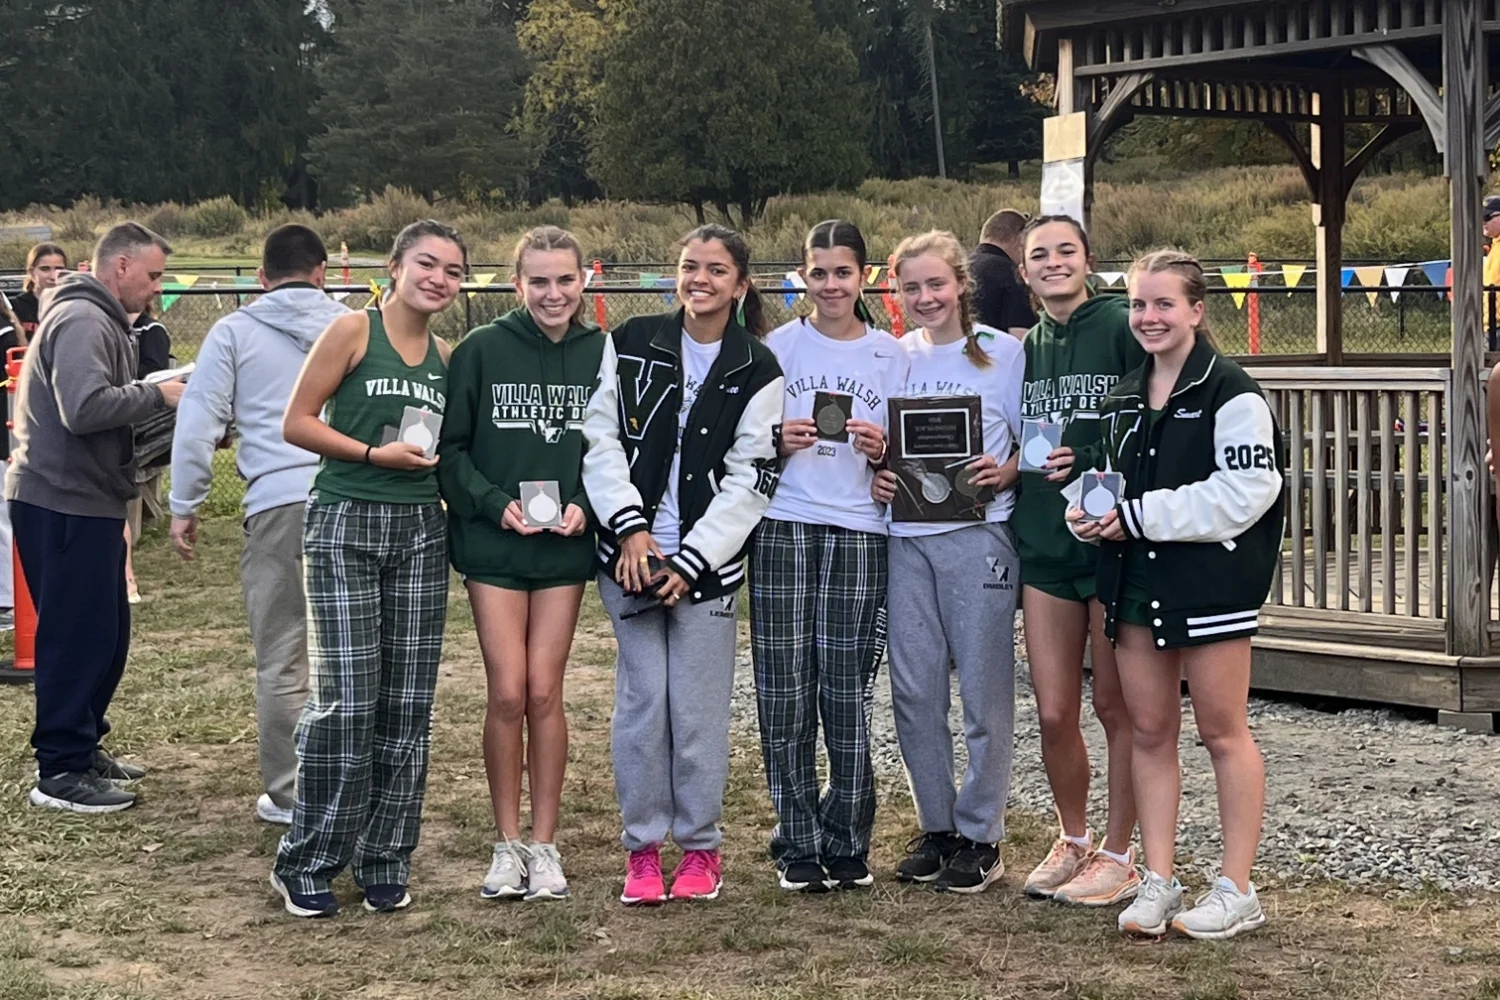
x=1100 y=881
x=1056 y=869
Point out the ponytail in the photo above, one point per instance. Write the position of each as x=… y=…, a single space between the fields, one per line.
x=972 y=349
x=752 y=313
x=862 y=310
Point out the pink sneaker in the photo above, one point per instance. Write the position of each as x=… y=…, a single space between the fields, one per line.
x=643 y=881
x=698 y=876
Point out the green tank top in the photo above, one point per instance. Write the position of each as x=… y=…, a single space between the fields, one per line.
x=371 y=398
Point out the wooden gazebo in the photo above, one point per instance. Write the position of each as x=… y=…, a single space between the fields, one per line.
x=1386 y=591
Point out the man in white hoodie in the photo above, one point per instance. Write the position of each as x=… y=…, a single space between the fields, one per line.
x=245 y=372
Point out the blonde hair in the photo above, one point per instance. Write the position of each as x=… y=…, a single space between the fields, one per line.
x=1186 y=267
x=946 y=247
x=546 y=238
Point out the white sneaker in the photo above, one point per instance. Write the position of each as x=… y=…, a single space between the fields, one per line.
x=1221 y=913
x=1156 y=902
x=269 y=812
x=507 y=876
x=544 y=874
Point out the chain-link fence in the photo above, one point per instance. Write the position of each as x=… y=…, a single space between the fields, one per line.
x=1265 y=319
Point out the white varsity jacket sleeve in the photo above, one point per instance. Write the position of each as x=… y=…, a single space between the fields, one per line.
x=751 y=472
x=606 y=470
x=1227 y=503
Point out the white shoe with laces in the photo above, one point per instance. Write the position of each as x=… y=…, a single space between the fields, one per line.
x=507 y=875
x=1156 y=902
x=1221 y=913
x=546 y=880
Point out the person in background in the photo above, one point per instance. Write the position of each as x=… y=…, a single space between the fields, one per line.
x=1001 y=299
x=153 y=347
x=244 y=375
x=10 y=336
x=71 y=475
x=1492 y=267
x=45 y=264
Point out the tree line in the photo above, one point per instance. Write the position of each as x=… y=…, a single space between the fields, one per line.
x=713 y=103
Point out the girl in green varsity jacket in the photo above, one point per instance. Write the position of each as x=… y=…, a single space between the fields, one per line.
x=680 y=467
x=1188 y=556
x=1075 y=354
x=518 y=389
x=375 y=551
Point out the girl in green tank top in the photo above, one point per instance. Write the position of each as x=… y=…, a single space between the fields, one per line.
x=375 y=555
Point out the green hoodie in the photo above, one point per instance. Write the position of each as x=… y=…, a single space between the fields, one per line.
x=1070 y=368
x=516 y=403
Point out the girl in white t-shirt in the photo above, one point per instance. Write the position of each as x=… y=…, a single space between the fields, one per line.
x=818 y=590
x=953 y=585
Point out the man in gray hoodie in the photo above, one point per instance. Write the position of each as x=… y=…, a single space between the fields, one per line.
x=71 y=474
x=245 y=372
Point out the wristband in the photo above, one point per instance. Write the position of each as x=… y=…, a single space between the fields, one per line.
x=367 y=453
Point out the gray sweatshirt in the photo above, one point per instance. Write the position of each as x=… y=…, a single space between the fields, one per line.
x=244 y=372
x=75 y=449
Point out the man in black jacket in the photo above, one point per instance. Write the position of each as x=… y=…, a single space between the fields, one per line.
x=1001 y=298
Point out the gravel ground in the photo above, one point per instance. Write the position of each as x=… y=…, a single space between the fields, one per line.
x=1361 y=795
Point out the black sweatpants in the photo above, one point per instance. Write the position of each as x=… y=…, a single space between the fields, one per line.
x=75 y=567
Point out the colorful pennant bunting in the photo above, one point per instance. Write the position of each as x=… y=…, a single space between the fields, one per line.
x=1369 y=275
x=1395 y=275
x=1292 y=274
x=485 y=279
x=1241 y=279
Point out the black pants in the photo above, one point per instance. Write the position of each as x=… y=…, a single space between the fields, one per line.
x=75 y=567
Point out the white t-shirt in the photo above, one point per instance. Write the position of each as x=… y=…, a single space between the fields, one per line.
x=829 y=483
x=697 y=359
x=945 y=371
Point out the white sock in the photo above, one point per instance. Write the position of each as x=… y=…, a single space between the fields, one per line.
x=1086 y=841
x=1119 y=859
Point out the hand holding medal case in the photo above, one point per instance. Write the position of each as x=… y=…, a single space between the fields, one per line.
x=933 y=440
x=541 y=504
x=1039 y=438
x=1095 y=493
x=832 y=412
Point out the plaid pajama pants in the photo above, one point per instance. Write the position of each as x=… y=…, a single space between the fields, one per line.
x=817 y=626
x=377 y=600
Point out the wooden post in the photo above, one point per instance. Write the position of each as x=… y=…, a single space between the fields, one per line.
x=1328 y=216
x=1072 y=95
x=1464 y=86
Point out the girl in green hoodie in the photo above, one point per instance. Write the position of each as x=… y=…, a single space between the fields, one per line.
x=1078 y=350
x=517 y=393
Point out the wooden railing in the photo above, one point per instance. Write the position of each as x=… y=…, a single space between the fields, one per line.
x=1363 y=561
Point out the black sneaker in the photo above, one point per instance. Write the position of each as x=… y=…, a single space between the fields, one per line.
x=386 y=898
x=926 y=855
x=804 y=876
x=115 y=770
x=78 y=791
x=310 y=904
x=849 y=873
x=972 y=868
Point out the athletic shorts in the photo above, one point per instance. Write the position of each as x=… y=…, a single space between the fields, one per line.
x=1079 y=589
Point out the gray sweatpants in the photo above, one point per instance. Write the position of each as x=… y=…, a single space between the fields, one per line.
x=954 y=596
x=271 y=575
x=674 y=676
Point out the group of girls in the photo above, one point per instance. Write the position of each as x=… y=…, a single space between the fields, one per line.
x=687 y=459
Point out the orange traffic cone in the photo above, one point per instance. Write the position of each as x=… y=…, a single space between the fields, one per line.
x=21 y=669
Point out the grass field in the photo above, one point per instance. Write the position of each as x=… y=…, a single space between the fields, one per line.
x=170 y=900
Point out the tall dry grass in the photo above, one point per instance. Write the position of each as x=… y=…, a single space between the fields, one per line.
x=1220 y=213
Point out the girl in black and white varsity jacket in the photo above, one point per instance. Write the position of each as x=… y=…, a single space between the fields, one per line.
x=680 y=467
x=1188 y=555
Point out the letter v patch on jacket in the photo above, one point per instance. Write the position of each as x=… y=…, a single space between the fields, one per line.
x=643 y=384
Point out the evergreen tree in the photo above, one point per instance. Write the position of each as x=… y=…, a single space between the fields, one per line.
x=725 y=103
x=420 y=94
